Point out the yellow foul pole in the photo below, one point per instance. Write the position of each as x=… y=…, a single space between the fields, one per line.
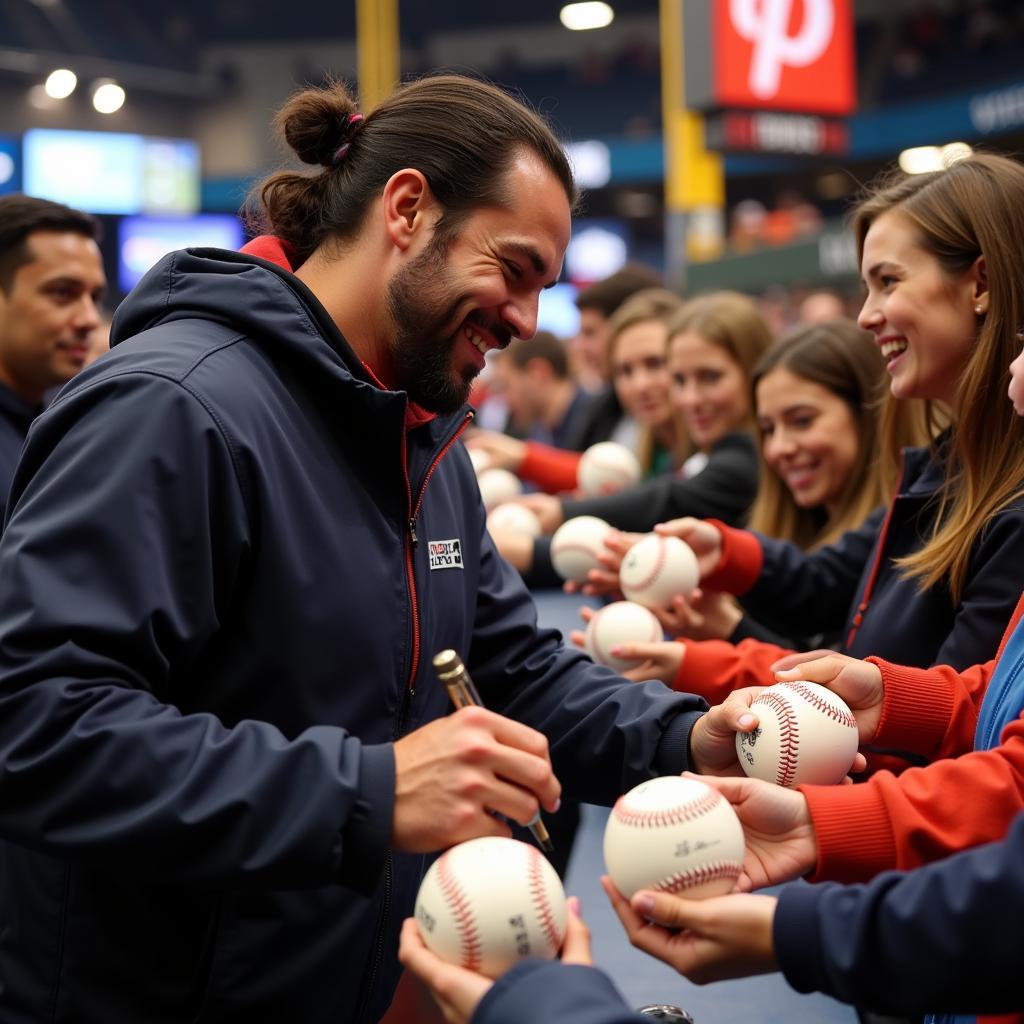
x=377 y=50
x=694 y=179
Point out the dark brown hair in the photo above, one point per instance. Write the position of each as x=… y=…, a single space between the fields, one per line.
x=844 y=360
x=608 y=294
x=543 y=345
x=461 y=133
x=21 y=215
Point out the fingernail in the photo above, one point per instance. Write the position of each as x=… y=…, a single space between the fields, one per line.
x=643 y=904
x=785 y=672
x=573 y=903
x=746 y=721
x=558 y=803
x=616 y=651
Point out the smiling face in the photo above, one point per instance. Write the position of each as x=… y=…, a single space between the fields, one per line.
x=459 y=297
x=810 y=437
x=49 y=312
x=923 y=319
x=639 y=372
x=708 y=387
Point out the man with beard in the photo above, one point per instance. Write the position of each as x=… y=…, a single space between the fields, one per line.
x=51 y=285
x=236 y=543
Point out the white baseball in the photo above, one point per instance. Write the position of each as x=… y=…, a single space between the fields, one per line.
x=607 y=467
x=576 y=545
x=490 y=902
x=498 y=485
x=622 y=622
x=512 y=518
x=480 y=459
x=675 y=835
x=657 y=568
x=805 y=734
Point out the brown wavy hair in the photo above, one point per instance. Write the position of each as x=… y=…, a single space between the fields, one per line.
x=843 y=359
x=972 y=209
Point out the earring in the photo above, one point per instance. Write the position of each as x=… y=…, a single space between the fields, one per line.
x=978 y=309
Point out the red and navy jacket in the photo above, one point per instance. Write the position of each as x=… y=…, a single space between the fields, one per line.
x=229 y=559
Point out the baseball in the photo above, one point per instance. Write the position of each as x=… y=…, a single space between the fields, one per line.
x=498 y=485
x=675 y=835
x=490 y=902
x=607 y=467
x=512 y=518
x=576 y=545
x=657 y=568
x=620 y=623
x=806 y=734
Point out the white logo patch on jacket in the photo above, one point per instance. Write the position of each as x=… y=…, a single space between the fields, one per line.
x=445 y=554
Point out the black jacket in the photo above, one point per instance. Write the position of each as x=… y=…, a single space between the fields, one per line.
x=227 y=565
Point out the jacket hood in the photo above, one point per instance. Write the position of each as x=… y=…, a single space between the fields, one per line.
x=245 y=293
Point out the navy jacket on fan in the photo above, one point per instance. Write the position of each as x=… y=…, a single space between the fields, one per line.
x=941 y=935
x=228 y=562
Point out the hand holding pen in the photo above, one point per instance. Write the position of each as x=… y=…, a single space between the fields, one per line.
x=452 y=673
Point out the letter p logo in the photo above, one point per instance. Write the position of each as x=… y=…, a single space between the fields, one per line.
x=765 y=24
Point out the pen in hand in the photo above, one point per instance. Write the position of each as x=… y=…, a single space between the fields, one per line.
x=450 y=670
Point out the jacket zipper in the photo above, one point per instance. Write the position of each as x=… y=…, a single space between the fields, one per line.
x=410 y=543
x=865 y=600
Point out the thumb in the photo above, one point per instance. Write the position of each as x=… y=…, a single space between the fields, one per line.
x=638 y=652
x=576 y=948
x=669 y=911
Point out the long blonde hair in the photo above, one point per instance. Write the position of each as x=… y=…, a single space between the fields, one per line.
x=974 y=208
x=844 y=360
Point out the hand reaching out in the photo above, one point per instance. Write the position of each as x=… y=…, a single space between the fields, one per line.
x=458 y=991
x=859 y=683
x=703 y=538
x=701 y=615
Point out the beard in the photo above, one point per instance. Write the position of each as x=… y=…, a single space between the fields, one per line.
x=422 y=304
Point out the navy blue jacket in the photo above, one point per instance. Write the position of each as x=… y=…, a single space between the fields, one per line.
x=941 y=935
x=944 y=935
x=226 y=568
x=854 y=582
x=16 y=416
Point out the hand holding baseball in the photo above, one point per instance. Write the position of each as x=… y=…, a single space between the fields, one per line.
x=604 y=582
x=777 y=829
x=704 y=940
x=703 y=615
x=457 y=991
x=703 y=538
x=453 y=772
x=713 y=740
x=547 y=508
x=859 y=683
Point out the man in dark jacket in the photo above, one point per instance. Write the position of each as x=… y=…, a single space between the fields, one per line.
x=235 y=544
x=51 y=285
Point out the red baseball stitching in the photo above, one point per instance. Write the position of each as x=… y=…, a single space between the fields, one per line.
x=698 y=875
x=816 y=701
x=472 y=950
x=639 y=818
x=539 y=895
x=659 y=563
x=789 y=736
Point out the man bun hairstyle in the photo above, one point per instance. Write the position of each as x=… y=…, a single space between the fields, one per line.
x=460 y=132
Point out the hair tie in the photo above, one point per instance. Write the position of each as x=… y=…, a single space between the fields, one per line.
x=341 y=152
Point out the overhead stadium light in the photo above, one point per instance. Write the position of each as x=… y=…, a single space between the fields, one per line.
x=60 y=83
x=923 y=159
x=108 y=96
x=593 y=14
